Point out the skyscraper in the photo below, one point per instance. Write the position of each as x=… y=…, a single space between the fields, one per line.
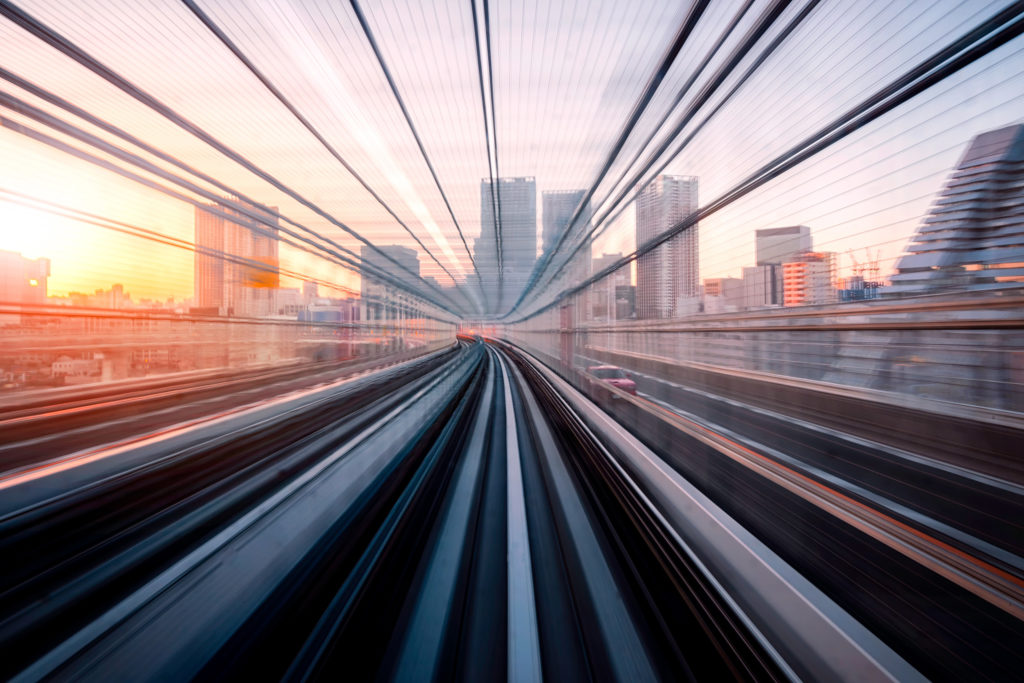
x=809 y=278
x=558 y=207
x=236 y=261
x=761 y=288
x=772 y=247
x=667 y=277
x=603 y=293
x=517 y=202
x=974 y=235
x=209 y=261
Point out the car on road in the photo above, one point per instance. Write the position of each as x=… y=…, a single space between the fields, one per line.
x=614 y=375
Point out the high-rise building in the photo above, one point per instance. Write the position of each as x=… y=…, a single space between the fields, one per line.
x=625 y=302
x=973 y=237
x=761 y=287
x=602 y=294
x=380 y=297
x=23 y=280
x=809 y=278
x=558 y=206
x=516 y=199
x=310 y=291
x=236 y=261
x=773 y=246
x=209 y=261
x=667 y=280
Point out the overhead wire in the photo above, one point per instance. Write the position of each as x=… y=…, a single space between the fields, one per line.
x=682 y=34
x=62 y=44
x=972 y=45
x=158 y=237
x=764 y=21
x=813 y=102
x=752 y=94
x=752 y=36
x=412 y=127
x=763 y=103
x=895 y=189
x=573 y=229
x=242 y=57
x=482 y=41
x=14 y=104
x=616 y=54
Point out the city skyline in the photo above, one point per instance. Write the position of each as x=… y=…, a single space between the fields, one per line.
x=23 y=210
x=575 y=194
x=879 y=219
x=762 y=283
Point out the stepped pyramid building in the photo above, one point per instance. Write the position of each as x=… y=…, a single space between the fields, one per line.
x=973 y=238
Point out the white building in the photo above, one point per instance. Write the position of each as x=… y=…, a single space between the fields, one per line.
x=667 y=277
x=236 y=261
x=809 y=278
x=602 y=294
x=516 y=201
x=973 y=237
x=774 y=246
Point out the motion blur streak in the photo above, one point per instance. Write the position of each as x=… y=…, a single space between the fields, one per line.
x=507 y=339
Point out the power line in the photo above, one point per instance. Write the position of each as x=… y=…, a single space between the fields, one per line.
x=412 y=127
x=223 y=37
x=953 y=57
x=67 y=47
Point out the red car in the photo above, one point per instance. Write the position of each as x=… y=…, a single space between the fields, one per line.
x=615 y=376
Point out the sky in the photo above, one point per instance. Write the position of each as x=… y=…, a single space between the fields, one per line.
x=566 y=76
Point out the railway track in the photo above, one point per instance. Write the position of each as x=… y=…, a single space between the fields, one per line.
x=457 y=517
x=47 y=424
